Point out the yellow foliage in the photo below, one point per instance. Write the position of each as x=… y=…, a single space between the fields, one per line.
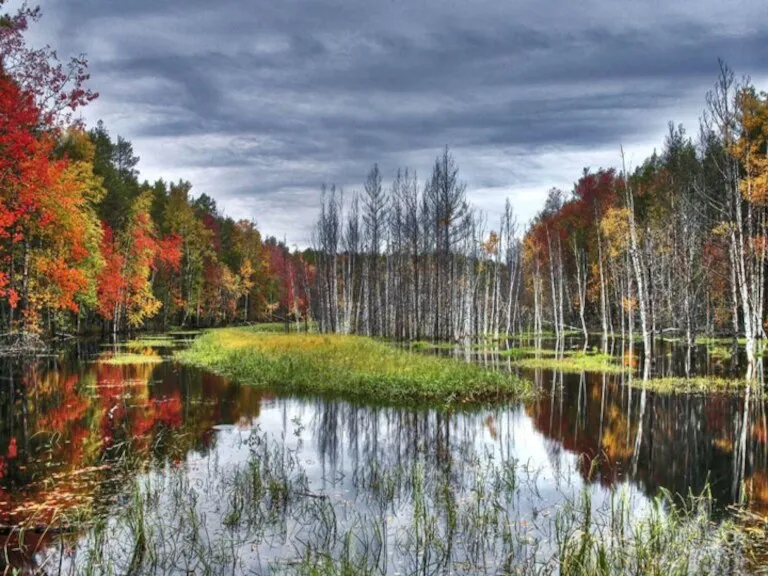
x=614 y=227
x=751 y=149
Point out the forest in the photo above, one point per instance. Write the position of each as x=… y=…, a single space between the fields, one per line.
x=86 y=246
x=674 y=247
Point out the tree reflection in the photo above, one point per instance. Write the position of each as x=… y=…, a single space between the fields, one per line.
x=72 y=431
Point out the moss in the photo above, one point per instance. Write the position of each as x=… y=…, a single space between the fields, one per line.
x=353 y=366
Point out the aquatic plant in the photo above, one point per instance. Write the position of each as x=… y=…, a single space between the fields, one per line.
x=264 y=516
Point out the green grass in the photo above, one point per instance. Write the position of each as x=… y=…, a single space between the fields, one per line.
x=123 y=358
x=522 y=351
x=709 y=340
x=149 y=342
x=574 y=363
x=279 y=327
x=426 y=345
x=720 y=353
x=697 y=384
x=352 y=366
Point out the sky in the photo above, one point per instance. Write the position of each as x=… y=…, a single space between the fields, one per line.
x=260 y=102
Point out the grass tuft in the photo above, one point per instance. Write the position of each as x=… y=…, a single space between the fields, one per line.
x=698 y=384
x=575 y=363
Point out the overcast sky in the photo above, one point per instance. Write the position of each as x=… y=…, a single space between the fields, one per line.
x=259 y=102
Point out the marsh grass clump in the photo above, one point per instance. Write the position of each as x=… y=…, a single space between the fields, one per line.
x=526 y=351
x=159 y=341
x=676 y=535
x=720 y=352
x=354 y=366
x=574 y=363
x=124 y=358
x=695 y=384
x=281 y=327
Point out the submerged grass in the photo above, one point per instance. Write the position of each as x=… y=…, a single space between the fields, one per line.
x=354 y=366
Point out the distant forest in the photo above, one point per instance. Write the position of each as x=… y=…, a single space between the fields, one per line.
x=676 y=245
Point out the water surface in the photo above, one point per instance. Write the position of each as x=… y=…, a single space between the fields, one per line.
x=75 y=434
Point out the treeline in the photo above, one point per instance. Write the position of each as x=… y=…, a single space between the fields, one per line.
x=85 y=245
x=413 y=261
x=675 y=245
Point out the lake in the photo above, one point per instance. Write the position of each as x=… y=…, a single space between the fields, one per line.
x=98 y=459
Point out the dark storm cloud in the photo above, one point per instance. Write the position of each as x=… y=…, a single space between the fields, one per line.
x=261 y=101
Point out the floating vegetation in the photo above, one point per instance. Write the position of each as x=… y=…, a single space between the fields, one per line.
x=725 y=340
x=353 y=365
x=426 y=345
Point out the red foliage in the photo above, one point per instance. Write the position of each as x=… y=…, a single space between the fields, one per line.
x=597 y=191
x=111 y=281
x=169 y=252
x=13 y=450
x=57 y=89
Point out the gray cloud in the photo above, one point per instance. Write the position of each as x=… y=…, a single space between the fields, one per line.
x=259 y=102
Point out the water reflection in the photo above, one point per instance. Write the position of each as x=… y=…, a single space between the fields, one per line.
x=678 y=442
x=73 y=432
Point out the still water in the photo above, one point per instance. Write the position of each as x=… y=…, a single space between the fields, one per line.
x=82 y=440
